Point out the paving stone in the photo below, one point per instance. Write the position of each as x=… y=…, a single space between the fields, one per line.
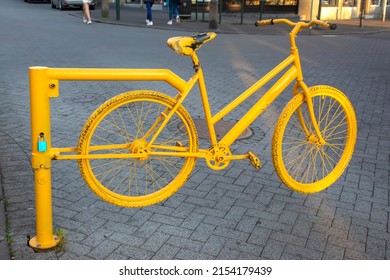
x=95 y=238
x=127 y=239
x=185 y=243
x=225 y=203
x=203 y=232
x=346 y=243
x=304 y=254
x=213 y=245
x=317 y=241
x=259 y=236
x=333 y=252
x=288 y=217
x=247 y=224
x=166 y=252
x=228 y=254
x=125 y=228
x=104 y=249
x=232 y=234
x=185 y=254
x=165 y=219
x=155 y=242
x=130 y=252
x=358 y=233
x=273 y=250
x=77 y=248
x=176 y=231
x=289 y=238
x=192 y=221
x=376 y=247
x=351 y=254
x=222 y=222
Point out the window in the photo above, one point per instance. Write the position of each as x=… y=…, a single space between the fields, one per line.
x=329 y=3
x=351 y=3
x=282 y=2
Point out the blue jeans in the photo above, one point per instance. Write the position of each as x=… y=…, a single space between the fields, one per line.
x=172 y=8
x=149 y=10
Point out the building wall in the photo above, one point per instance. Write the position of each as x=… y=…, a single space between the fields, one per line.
x=309 y=9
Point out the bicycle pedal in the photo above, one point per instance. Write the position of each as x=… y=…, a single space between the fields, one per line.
x=255 y=161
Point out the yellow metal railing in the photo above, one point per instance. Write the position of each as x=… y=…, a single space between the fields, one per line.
x=44 y=84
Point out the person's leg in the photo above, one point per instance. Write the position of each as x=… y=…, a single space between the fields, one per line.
x=174 y=6
x=149 y=17
x=147 y=10
x=87 y=15
x=170 y=10
x=177 y=15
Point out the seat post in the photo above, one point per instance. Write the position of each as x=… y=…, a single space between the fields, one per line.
x=195 y=61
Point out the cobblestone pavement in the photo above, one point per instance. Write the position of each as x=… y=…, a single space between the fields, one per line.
x=237 y=213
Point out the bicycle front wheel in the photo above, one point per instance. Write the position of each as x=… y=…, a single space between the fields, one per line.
x=120 y=166
x=302 y=162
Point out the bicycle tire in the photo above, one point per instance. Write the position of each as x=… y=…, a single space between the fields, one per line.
x=121 y=124
x=301 y=162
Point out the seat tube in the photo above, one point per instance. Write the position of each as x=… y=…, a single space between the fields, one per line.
x=205 y=99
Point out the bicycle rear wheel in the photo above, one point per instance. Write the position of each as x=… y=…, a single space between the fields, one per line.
x=301 y=161
x=129 y=173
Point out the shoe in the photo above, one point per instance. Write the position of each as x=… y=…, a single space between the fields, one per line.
x=169 y=22
x=84 y=20
x=177 y=19
x=147 y=21
x=150 y=23
x=89 y=22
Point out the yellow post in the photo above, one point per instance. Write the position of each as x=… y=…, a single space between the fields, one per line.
x=41 y=158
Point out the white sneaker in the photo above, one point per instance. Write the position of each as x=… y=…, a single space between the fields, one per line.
x=89 y=22
x=177 y=19
x=85 y=20
x=169 y=22
x=150 y=23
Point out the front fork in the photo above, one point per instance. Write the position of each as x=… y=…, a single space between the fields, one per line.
x=310 y=137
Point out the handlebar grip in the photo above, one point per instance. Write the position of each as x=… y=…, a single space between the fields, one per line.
x=333 y=26
x=264 y=22
x=329 y=25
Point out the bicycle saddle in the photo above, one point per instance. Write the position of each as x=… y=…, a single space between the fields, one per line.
x=185 y=45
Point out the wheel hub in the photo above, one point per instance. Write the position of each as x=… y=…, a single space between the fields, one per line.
x=315 y=140
x=139 y=146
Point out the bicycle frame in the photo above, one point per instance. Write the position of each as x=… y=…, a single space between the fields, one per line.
x=256 y=110
x=294 y=72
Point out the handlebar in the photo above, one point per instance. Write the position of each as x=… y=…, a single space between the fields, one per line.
x=301 y=24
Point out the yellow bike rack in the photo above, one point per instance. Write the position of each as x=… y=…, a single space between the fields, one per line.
x=44 y=84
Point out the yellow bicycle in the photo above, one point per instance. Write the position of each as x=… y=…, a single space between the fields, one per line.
x=140 y=147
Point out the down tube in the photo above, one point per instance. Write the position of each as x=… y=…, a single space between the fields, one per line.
x=260 y=106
